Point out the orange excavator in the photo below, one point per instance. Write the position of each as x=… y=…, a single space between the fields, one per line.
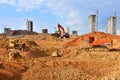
x=94 y=41
x=61 y=32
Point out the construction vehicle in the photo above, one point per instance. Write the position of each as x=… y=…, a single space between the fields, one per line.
x=61 y=32
x=95 y=43
x=13 y=44
x=15 y=48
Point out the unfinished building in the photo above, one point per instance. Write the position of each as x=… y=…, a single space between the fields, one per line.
x=112 y=25
x=92 y=23
x=29 y=25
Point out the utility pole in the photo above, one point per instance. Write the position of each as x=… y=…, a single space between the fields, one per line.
x=97 y=20
x=116 y=21
x=41 y=29
x=55 y=29
x=115 y=13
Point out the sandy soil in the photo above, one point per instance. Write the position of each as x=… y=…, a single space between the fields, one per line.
x=37 y=63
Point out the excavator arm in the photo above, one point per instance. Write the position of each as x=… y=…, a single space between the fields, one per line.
x=67 y=44
x=60 y=27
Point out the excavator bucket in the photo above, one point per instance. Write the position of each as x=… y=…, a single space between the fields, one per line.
x=55 y=54
x=58 y=53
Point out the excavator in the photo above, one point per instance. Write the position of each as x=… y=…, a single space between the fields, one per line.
x=95 y=42
x=61 y=32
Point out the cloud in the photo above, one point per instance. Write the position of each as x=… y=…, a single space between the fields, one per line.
x=67 y=11
x=9 y=2
x=28 y=4
x=64 y=9
x=16 y=23
x=72 y=13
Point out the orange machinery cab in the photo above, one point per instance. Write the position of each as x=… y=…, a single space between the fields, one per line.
x=93 y=41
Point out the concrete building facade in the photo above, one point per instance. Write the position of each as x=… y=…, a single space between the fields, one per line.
x=44 y=31
x=67 y=30
x=75 y=32
x=6 y=30
x=29 y=25
x=92 y=23
x=118 y=31
x=112 y=25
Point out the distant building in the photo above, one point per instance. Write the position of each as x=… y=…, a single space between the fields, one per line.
x=75 y=32
x=6 y=30
x=67 y=30
x=92 y=23
x=29 y=25
x=111 y=25
x=19 y=32
x=118 y=31
x=44 y=31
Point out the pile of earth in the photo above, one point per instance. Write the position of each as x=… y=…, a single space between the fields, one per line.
x=11 y=70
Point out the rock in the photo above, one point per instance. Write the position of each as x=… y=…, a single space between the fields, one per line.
x=54 y=54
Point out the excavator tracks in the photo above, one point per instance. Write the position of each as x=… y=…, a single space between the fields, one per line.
x=96 y=49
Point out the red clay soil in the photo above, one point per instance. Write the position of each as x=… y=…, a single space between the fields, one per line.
x=11 y=70
x=3 y=51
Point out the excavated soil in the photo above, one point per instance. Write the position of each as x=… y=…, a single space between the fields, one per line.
x=36 y=62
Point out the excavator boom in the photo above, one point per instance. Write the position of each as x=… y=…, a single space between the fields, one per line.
x=60 y=27
x=67 y=44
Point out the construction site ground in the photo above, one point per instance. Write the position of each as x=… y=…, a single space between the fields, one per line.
x=36 y=62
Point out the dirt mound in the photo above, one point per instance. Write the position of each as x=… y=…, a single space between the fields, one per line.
x=103 y=35
x=44 y=37
x=35 y=53
x=116 y=44
x=10 y=70
x=28 y=42
x=3 y=51
x=4 y=42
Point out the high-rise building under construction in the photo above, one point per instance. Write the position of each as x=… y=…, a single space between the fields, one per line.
x=111 y=25
x=92 y=23
x=29 y=25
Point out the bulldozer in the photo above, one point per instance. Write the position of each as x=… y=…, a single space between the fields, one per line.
x=95 y=42
x=14 y=44
x=15 y=48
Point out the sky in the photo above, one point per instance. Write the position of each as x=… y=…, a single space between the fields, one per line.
x=48 y=13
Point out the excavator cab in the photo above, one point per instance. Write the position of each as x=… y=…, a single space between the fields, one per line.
x=66 y=35
x=91 y=39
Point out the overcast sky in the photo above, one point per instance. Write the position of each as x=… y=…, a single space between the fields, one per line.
x=48 y=13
